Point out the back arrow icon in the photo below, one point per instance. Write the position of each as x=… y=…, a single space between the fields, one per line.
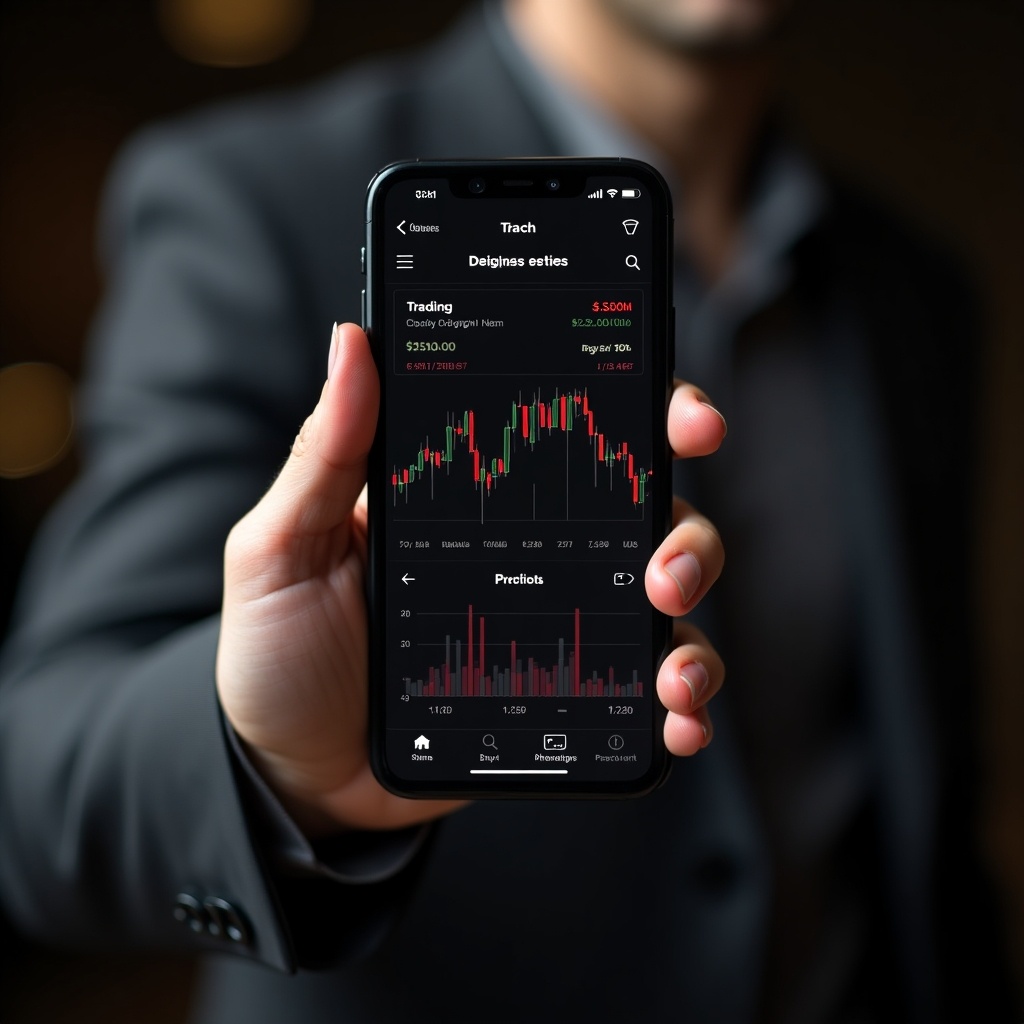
x=407 y=579
x=399 y=226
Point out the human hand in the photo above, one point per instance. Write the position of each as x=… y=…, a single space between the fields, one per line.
x=292 y=656
x=679 y=574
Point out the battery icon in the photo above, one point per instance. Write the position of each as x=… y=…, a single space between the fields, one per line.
x=630 y=193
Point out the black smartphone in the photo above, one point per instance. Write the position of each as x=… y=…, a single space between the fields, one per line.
x=520 y=315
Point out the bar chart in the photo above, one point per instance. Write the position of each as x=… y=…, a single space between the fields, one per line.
x=565 y=654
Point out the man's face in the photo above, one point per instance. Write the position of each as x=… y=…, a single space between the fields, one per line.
x=702 y=26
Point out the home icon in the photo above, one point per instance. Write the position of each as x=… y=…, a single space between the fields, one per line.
x=421 y=743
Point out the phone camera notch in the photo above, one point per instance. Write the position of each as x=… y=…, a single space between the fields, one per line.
x=477 y=185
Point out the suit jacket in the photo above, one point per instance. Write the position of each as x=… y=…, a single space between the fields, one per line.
x=233 y=243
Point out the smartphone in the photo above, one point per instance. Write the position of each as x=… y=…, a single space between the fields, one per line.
x=520 y=316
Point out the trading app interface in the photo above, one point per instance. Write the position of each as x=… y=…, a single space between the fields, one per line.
x=522 y=463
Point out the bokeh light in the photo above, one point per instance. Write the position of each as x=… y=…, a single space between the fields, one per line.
x=36 y=418
x=233 y=33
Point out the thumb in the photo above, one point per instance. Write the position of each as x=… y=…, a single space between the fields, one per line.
x=317 y=487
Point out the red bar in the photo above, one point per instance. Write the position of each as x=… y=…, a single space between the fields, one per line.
x=590 y=424
x=576 y=669
x=405 y=476
x=630 y=469
x=625 y=447
x=488 y=481
x=562 y=411
x=524 y=415
x=471 y=431
x=468 y=691
x=437 y=459
x=636 y=488
x=586 y=407
x=394 y=479
x=541 y=414
x=476 y=466
x=481 y=647
x=600 y=447
x=501 y=467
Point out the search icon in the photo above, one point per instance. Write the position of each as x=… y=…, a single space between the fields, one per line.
x=631 y=262
x=489 y=741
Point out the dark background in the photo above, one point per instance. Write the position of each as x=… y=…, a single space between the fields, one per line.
x=923 y=100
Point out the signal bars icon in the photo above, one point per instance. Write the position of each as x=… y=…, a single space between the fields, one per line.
x=598 y=193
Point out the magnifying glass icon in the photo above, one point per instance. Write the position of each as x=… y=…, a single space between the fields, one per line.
x=631 y=262
x=488 y=741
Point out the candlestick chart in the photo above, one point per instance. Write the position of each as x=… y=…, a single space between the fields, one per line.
x=544 y=456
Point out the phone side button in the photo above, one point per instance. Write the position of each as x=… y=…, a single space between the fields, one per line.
x=672 y=343
x=362 y=260
x=362 y=308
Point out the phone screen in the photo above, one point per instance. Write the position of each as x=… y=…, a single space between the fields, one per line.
x=520 y=317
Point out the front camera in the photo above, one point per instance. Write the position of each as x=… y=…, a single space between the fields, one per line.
x=477 y=185
x=552 y=184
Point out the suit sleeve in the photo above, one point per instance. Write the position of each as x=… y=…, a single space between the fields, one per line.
x=124 y=819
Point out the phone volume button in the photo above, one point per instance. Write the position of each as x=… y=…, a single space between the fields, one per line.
x=362 y=308
x=362 y=261
x=672 y=342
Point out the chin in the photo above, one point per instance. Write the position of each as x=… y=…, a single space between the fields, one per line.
x=703 y=25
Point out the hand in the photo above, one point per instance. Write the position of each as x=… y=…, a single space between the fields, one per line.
x=292 y=658
x=679 y=574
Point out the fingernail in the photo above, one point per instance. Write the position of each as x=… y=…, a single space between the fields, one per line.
x=725 y=425
x=685 y=570
x=333 y=354
x=695 y=676
x=708 y=733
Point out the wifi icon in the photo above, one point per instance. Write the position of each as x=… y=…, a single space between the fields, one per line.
x=613 y=192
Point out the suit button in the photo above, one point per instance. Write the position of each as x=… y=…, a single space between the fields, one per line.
x=189 y=911
x=224 y=920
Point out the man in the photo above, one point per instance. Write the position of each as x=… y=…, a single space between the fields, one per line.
x=182 y=756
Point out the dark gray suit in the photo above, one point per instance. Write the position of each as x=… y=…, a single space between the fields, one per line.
x=233 y=243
